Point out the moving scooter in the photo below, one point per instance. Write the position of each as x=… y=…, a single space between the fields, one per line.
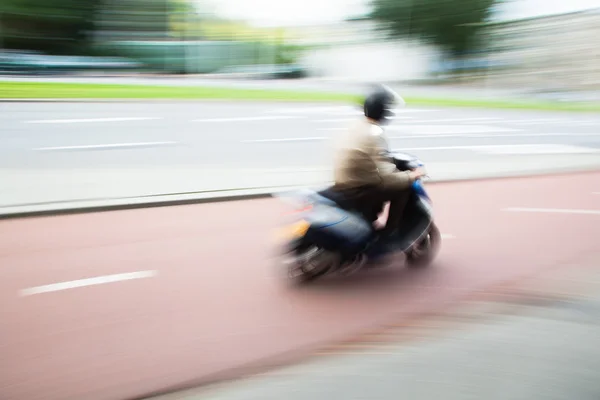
x=324 y=237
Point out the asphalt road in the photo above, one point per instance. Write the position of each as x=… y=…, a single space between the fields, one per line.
x=55 y=154
x=262 y=135
x=117 y=305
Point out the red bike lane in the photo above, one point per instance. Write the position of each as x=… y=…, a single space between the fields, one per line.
x=202 y=295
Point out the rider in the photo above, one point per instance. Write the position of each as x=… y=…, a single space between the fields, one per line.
x=364 y=173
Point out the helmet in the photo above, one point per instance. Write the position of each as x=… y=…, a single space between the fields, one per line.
x=379 y=104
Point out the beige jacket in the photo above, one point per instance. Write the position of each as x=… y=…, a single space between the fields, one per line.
x=361 y=159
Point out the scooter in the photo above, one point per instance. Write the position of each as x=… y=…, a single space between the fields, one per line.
x=325 y=237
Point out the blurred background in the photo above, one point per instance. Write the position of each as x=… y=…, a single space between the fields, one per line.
x=491 y=43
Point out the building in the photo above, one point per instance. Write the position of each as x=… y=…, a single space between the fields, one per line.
x=560 y=52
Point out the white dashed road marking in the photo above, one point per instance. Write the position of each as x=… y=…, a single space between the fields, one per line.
x=301 y=139
x=537 y=149
x=106 y=146
x=74 y=121
x=246 y=119
x=552 y=210
x=99 y=280
x=457 y=129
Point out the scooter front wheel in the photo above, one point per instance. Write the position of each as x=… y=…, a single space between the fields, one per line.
x=424 y=252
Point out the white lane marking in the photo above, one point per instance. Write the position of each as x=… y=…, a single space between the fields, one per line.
x=335 y=120
x=537 y=149
x=55 y=287
x=553 y=210
x=105 y=146
x=245 y=119
x=511 y=149
x=534 y=121
x=339 y=110
x=487 y=149
x=309 y=109
x=493 y=135
x=587 y=123
x=448 y=236
x=595 y=192
x=348 y=119
x=474 y=135
x=462 y=129
x=302 y=139
x=474 y=119
x=74 y=121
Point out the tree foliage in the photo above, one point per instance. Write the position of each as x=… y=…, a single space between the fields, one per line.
x=133 y=20
x=453 y=25
x=57 y=26
x=69 y=26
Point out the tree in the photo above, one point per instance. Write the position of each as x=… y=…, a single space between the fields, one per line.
x=57 y=26
x=133 y=20
x=71 y=26
x=453 y=25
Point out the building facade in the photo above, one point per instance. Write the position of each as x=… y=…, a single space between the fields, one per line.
x=560 y=52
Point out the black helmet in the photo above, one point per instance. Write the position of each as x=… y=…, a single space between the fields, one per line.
x=378 y=105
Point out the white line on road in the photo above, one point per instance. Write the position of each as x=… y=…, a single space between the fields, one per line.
x=55 y=287
x=474 y=119
x=537 y=149
x=586 y=123
x=538 y=120
x=350 y=119
x=553 y=210
x=302 y=139
x=310 y=109
x=73 y=121
x=595 y=192
x=512 y=149
x=473 y=135
x=105 y=146
x=246 y=119
x=461 y=129
x=335 y=120
x=448 y=236
x=493 y=135
x=517 y=149
x=340 y=110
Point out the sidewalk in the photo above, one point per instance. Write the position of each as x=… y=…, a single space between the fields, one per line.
x=538 y=340
x=58 y=189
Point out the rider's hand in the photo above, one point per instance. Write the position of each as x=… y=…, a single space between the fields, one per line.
x=417 y=173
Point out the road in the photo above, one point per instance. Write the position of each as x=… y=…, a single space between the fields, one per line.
x=176 y=295
x=264 y=135
x=51 y=152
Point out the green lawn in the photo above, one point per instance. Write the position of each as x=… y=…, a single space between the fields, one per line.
x=58 y=90
x=507 y=104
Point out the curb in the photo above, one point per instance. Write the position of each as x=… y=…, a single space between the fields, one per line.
x=151 y=201
x=179 y=199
